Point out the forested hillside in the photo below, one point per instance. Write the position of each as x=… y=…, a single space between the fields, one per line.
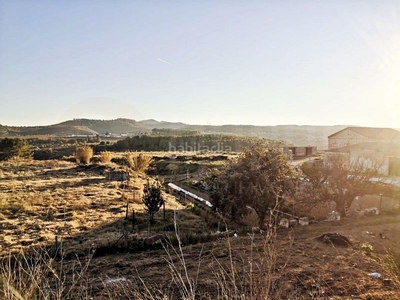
x=293 y=134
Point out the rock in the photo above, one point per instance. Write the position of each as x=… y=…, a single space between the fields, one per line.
x=284 y=223
x=154 y=240
x=293 y=223
x=387 y=281
x=333 y=216
x=118 y=176
x=304 y=221
x=335 y=239
x=372 y=211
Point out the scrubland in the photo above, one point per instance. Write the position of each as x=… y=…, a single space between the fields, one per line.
x=67 y=232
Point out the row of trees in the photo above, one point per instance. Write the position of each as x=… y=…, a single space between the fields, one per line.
x=190 y=142
x=262 y=178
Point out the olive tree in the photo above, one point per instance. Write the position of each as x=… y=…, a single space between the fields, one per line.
x=260 y=179
x=338 y=179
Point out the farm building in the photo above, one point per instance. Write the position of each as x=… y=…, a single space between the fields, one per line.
x=301 y=151
x=384 y=156
x=371 y=146
x=359 y=135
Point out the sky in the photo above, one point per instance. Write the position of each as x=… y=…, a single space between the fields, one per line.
x=267 y=62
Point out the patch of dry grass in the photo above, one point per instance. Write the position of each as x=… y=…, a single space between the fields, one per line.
x=138 y=162
x=66 y=202
x=83 y=154
x=105 y=157
x=40 y=201
x=37 y=275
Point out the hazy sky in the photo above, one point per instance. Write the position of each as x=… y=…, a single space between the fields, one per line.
x=201 y=62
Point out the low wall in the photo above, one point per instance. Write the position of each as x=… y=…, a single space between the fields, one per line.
x=367 y=201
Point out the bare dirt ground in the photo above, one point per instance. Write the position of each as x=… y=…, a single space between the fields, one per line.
x=42 y=200
x=303 y=268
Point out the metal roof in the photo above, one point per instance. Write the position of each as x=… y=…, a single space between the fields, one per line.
x=373 y=133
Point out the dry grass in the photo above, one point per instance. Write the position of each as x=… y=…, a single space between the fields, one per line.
x=42 y=200
x=138 y=163
x=105 y=157
x=64 y=201
x=83 y=154
x=37 y=275
x=39 y=203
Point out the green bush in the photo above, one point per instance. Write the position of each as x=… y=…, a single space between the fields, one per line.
x=10 y=148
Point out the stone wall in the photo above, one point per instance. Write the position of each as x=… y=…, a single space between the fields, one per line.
x=118 y=175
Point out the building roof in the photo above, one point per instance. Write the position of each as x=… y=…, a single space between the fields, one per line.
x=387 y=148
x=373 y=133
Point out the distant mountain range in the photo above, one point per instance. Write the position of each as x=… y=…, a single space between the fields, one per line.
x=305 y=135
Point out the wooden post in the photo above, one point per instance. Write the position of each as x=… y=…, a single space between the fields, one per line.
x=127 y=211
x=163 y=210
x=133 y=219
x=56 y=246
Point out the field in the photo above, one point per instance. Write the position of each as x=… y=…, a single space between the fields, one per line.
x=70 y=232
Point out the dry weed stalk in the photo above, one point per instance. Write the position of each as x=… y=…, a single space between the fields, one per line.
x=37 y=275
x=256 y=277
x=179 y=272
x=138 y=163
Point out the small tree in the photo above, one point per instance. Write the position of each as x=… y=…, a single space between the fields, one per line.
x=83 y=154
x=17 y=147
x=259 y=179
x=338 y=179
x=152 y=199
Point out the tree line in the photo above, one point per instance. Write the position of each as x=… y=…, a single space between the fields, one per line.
x=263 y=179
x=185 y=143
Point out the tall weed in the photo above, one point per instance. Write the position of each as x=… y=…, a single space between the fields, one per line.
x=138 y=163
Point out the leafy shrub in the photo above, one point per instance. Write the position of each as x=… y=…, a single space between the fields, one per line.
x=17 y=147
x=83 y=154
